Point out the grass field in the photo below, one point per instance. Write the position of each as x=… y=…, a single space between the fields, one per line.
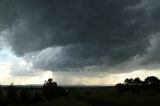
x=102 y=96
x=108 y=94
x=64 y=101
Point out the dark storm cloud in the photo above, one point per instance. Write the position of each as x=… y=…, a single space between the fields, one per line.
x=57 y=23
x=8 y=14
x=90 y=32
x=152 y=59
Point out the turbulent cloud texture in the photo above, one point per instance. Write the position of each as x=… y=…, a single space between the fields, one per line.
x=82 y=34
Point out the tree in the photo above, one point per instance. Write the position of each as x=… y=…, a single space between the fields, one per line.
x=128 y=81
x=120 y=88
x=138 y=82
x=51 y=90
x=152 y=83
x=152 y=80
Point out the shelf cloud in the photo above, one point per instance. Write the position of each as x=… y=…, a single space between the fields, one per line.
x=70 y=35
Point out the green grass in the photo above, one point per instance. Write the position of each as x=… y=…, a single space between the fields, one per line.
x=136 y=100
x=101 y=94
x=63 y=101
x=109 y=94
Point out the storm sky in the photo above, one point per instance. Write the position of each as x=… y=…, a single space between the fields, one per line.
x=79 y=41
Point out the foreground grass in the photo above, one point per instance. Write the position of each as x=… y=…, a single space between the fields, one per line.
x=63 y=101
x=102 y=95
x=135 y=100
x=109 y=95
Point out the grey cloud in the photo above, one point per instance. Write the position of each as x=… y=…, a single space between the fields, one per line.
x=89 y=32
x=152 y=59
x=8 y=14
x=57 y=23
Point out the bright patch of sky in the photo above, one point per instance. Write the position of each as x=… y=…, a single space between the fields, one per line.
x=6 y=55
x=17 y=70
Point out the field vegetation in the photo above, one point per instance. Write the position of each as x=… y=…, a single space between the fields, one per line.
x=133 y=92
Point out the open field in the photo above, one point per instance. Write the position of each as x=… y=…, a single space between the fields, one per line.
x=102 y=96
x=78 y=96
x=64 y=101
x=108 y=94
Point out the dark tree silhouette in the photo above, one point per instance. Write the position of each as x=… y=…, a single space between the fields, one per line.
x=129 y=85
x=152 y=80
x=151 y=84
x=51 y=89
x=138 y=82
x=120 y=88
x=128 y=81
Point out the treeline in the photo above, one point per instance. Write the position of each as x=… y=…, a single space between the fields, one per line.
x=52 y=90
x=13 y=95
x=150 y=85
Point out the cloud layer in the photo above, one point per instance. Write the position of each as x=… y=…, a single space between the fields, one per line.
x=64 y=35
